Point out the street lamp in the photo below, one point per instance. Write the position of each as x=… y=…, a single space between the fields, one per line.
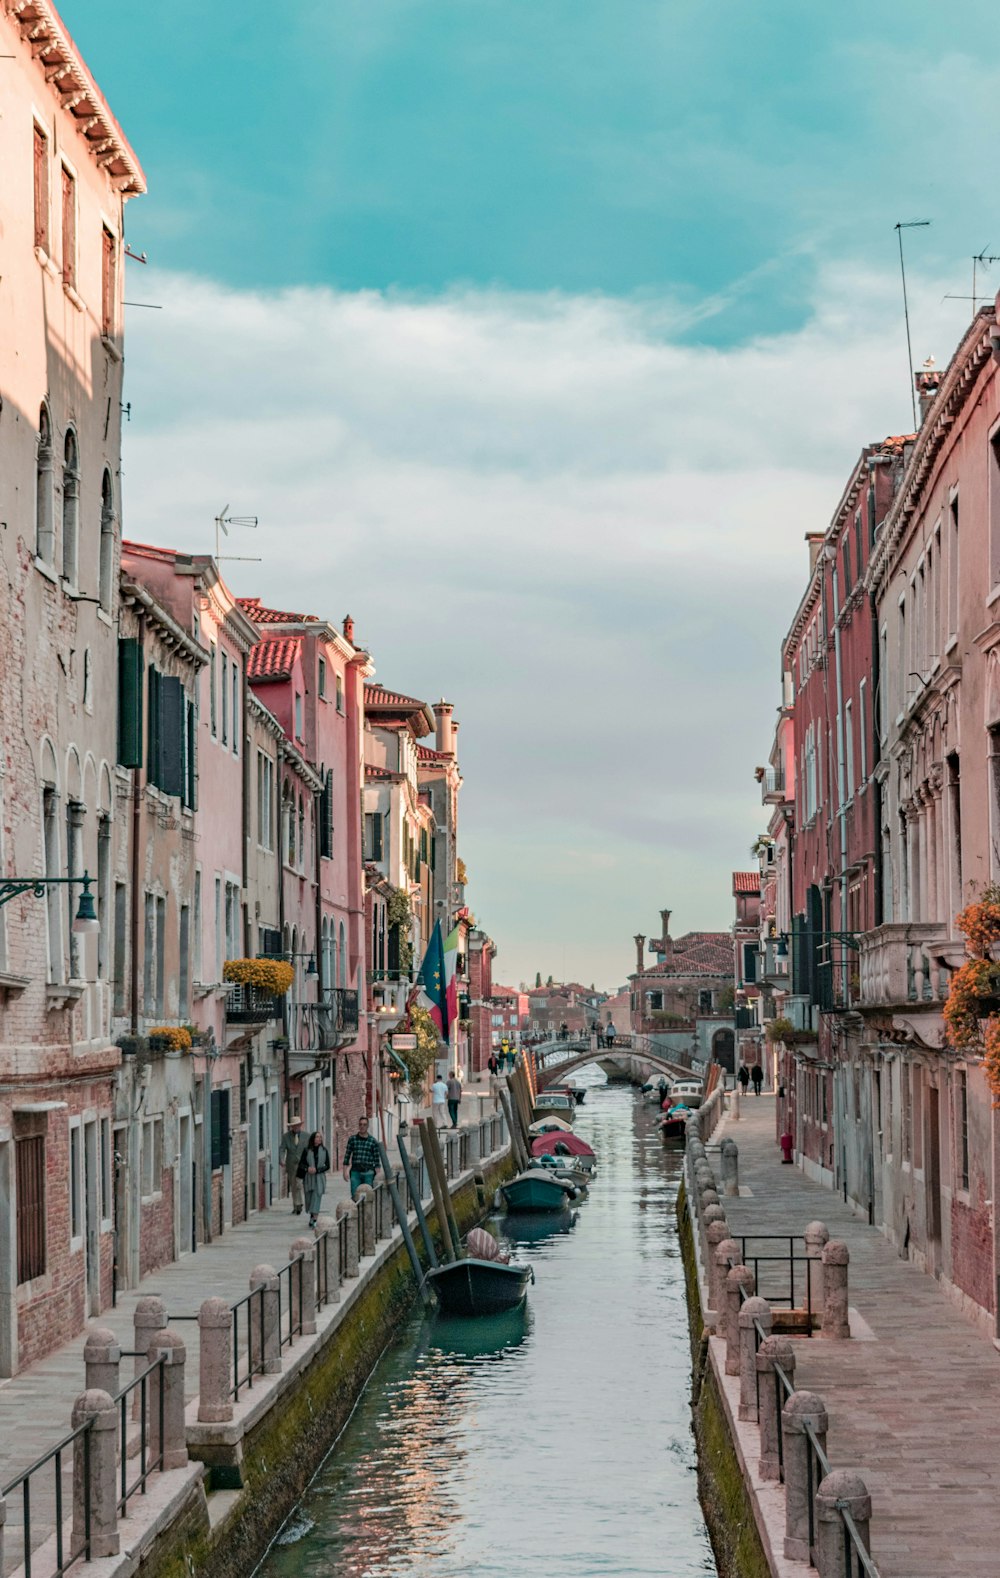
x=84 y=921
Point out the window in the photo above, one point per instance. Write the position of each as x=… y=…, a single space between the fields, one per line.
x=218 y=929
x=340 y=693
x=29 y=1163
x=109 y=282
x=704 y=1002
x=847 y=568
x=302 y=832
x=236 y=710
x=862 y=728
x=220 y=1129
x=953 y=563
x=902 y=656
x=75 y=813
x=45 y=531
x=75 y=1184
x=190 y=767
x=298 y=716
x=121 y=944
x=849 y=748
x=962 y=1127
x=232 y=920
x=103 y=894
x=321 y=677
x=41 y=190
x=265 y=801
x=749 y=963
x=326 y=815
x=70 y=507
x=166 y=733
x=225 y=699
x=343 y=955
x=149 y=958
x=161 y=939
x=107 y=1172
x=211 y=689
x=859 y=544
x=68 y=229
x=152 y=1156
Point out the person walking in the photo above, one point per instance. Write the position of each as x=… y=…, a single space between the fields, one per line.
x=493 y=1063
x=744 y=1078
x=314 y=1164
x=757 y=1075
x=439 y=1100
x=511 y=1058
x=361 y=1158
x=293 y=1143
x=454 y=1088
x=609 y=1035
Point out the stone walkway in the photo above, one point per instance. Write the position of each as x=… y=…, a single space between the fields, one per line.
x=35 y=1405
x=915 y=1410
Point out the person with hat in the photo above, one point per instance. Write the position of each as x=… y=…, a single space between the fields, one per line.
x=293 y=1143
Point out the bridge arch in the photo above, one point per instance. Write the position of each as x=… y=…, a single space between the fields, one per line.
x=554 y=1073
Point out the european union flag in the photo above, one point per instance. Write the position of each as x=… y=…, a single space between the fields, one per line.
x=432 y=980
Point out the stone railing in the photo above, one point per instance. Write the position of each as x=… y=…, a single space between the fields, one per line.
x=898 y=964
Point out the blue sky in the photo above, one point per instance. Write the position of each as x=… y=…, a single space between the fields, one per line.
x=538 y=335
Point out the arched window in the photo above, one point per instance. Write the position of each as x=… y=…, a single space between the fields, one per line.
x=45 y=532
x=70 y=507
x=343 y=955
x=107 y=559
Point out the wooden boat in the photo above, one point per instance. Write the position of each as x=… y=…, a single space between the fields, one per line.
x=479 y=1287
x=576 y=1092
x=555 y=1104
x=673 y=1124
x=537 y=1190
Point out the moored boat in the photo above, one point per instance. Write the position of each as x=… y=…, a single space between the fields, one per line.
x=673 y=1124
x=537 y=1190
x=479 y=1287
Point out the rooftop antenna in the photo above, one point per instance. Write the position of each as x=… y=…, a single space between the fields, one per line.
x=900 y=226
x=223 y=521
x=982 y=259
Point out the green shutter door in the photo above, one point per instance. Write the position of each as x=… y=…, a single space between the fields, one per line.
x=129 y=703
x=170 y=768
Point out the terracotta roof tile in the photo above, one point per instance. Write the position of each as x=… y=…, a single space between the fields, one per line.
x=425 y=754
x=380 y=773
x=746 y=882
x=379 y=696
x=274 y=657
x=697 y=953
x=255 y=610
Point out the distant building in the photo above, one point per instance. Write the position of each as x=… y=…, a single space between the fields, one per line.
x=683 y=1003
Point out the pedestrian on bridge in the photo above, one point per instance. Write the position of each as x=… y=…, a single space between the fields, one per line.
x=493 y=1063
x=293 y=1143
x=609 y=1035
x=511 y=1058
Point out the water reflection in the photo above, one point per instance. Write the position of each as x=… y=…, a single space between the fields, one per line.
x=553 y=1440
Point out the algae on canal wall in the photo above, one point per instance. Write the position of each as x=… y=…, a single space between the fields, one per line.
x=725 y=1497
x=223 y=1533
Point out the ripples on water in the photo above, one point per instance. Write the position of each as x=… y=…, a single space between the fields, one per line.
x=552 y=1442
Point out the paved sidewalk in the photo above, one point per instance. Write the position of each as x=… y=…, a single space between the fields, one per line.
x=915 y=1410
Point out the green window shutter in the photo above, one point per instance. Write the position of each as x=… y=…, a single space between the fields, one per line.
x=190 y=761
x=170 y=766
x=377 y=836
x=153 y=725
x=220 y=1128
x=129 y=703
x=326 y=816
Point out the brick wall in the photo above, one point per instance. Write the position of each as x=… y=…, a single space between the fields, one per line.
x=156 y=1232
x=972 y=1251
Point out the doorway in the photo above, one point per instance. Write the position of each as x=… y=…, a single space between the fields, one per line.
x=92 y=1215
x=184 y=1227
x=933 y=1177
x=253 y=1155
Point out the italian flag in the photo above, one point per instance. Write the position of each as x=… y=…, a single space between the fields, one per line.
x=450 y=981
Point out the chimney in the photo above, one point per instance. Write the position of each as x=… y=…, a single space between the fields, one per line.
x=927 y=381
x=665 y=925
x=349 y=629
x=815 y=540
x=640 y=943
x=445 y=729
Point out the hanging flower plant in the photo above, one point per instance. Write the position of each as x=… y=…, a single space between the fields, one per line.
x=271 y=976
x=966 y=1005
x=980 y=922
x=420 y=1060
x=170 y=1038
x=972 y=1009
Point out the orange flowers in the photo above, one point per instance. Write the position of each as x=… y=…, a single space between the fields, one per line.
x=971 y=1024
x=272 y=976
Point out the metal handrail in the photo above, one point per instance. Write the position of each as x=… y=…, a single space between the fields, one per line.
x=146 y=1464
x=254 y=1366
x=24 y=1480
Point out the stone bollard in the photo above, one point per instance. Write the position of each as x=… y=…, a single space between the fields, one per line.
x=713 y=1213
x=754 y=1312
x=740 y=1281
x=776 y=1350
x=801 y=1409
x=816 y=1235
x=303 y=1280
x=99 y=1409
x=475 y=1152
x=835 y=1316
x=709 y=1197
x=326 y=1245
x=169 y=1346
x=265 y=1321
x=725 y=1254
x=843 y=1490
x=102 y=1359
x=350 y=1212
x=215 y=1333
x=730 y=1168
x=150 y=1317
x=364 y=1202
x=715 y=1234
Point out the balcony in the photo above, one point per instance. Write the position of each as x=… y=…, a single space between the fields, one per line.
x=248 y=1005
x=337 y=1017
x=899 y=964
x=774 y=962
x=772 y=785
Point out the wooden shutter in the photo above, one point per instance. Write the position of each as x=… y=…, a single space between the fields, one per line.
x=30 y=1165
x=129 y=703
x=377 y=836
x=68 y=228
x=220 y=1128
x=326 y=816
x=170 y=764
x=190 y=761
x=109 y=281
x=41 y=190
x=243 y=1090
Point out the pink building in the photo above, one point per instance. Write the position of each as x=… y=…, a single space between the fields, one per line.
x=509 y=1015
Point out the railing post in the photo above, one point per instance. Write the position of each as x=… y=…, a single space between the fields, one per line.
x=215 y=1334
x=755 y=1312
x=725 y=1254
x=730 y=1154
x=774 y=1350
x=304 y=1286
x=326 y=1245
x=169 y=1346
x=3 y=1520
x=803 y=1410
x=365 y=1198
x=841 y=1491
x=351 y=1213
x=265 y=1315
x=739 y=1281
x=95 y=1454
x=714 y=1213
x=102 y=1363
x=817 y=1236
x=150 y=1317
x=835 y=1311
x=474 y=1148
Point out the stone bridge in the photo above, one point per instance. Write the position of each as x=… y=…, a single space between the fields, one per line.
x=580 y=1054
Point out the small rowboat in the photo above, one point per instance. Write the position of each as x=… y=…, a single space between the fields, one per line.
x=485 y=1283
x=537 y=1190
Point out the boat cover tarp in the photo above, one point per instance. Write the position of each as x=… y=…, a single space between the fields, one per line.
x=560 y=1145
x=549 y=1125
x=483 y=1246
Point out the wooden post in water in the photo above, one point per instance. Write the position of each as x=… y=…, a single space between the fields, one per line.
x=447 y=1248
x=429 y=1135
x=516 y=1143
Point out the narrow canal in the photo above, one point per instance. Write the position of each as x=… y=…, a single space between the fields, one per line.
x=557 y=1442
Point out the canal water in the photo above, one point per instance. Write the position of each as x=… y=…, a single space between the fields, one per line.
x=555 y=1444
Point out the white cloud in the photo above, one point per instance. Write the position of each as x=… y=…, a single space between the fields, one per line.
x=584 y=530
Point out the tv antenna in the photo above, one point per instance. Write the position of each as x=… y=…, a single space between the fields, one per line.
x=223 y=521
x=900 y=226
x=982 y=259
